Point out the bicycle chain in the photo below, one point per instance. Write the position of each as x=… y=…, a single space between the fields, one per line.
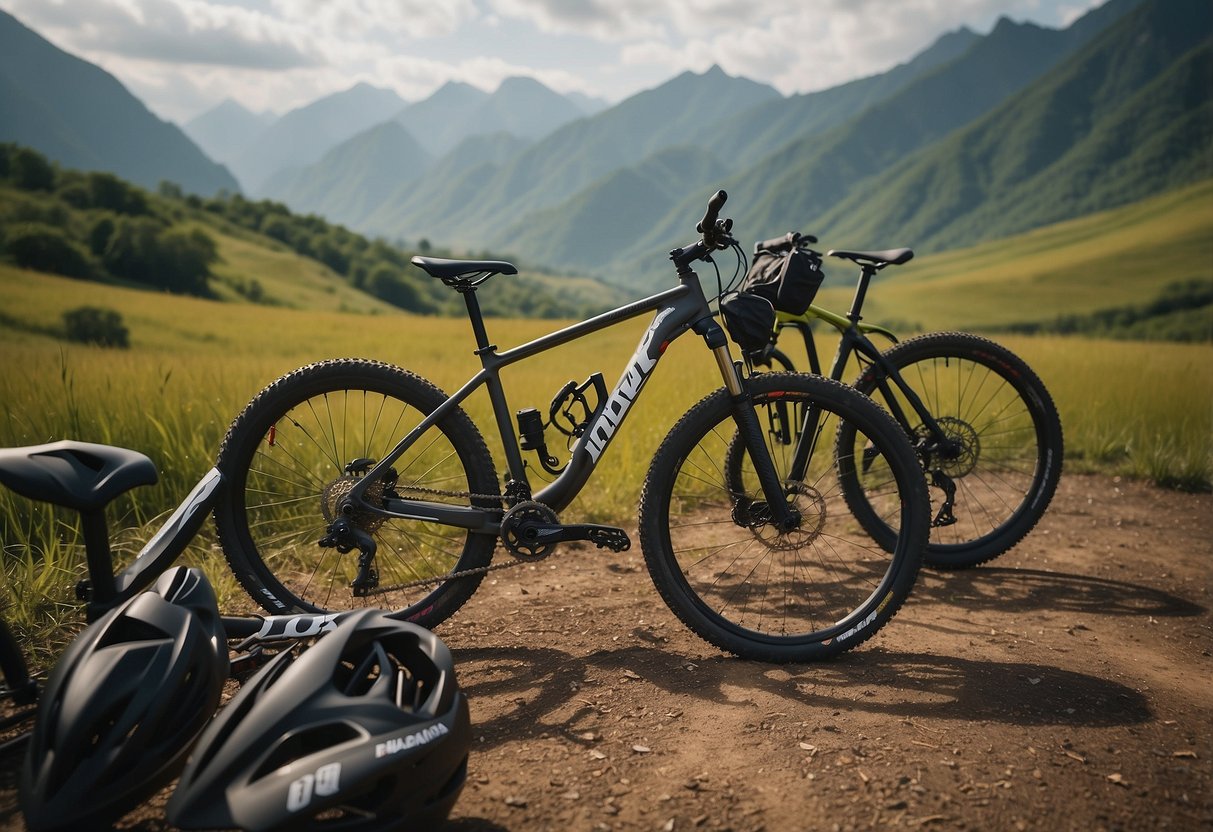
x=450 y=576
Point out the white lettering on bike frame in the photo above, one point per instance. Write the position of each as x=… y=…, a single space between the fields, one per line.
x=274 y=627
x=630 y=384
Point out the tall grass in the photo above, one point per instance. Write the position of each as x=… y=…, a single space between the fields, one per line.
x=1144 y=410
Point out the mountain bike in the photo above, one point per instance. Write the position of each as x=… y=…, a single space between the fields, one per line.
x=983 y=425
x=353 y=482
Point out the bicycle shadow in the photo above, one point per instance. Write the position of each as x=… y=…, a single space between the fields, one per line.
x=1023 y=590
x=875 y=680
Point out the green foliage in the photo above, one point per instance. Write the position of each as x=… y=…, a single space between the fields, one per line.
x=94 y=325
x=46 y=248
x=144 y=250
x=30 y=171
x=108 y=192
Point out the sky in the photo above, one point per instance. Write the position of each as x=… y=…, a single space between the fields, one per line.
x=182 y=57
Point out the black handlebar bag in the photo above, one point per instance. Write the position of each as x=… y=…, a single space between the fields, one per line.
x=750 y=320
x=788 y=279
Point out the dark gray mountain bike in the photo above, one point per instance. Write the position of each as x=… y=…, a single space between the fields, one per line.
x=354 y=483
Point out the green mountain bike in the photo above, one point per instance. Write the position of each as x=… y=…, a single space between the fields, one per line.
x=983 y=425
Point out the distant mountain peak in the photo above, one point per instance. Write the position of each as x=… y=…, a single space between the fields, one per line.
x=520 y=82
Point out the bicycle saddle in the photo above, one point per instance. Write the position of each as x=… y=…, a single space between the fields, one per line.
x=879 y=259
x=78 y=475
x=455 y=269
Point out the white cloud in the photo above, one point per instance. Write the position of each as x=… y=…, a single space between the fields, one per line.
x=173 y=31
x=283 y=53
x=364 y=18
x=609 y=20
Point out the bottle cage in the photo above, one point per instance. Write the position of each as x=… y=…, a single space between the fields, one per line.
x=570 y=412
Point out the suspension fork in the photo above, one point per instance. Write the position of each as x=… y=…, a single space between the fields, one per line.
x=749 y=429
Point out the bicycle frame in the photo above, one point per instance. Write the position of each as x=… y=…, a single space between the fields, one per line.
x=854 y=340
x=678 y=310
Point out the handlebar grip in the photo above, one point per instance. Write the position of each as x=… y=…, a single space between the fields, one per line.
x=785 y=243
x=709 y=218
x=778 y=243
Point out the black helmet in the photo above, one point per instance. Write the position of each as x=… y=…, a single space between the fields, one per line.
x=367 y=729
x=124 y=704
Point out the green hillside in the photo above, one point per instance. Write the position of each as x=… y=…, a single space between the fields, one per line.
x=584 y=231
x=1127 y=257
x=556 y=167
x=95 y=227
x=1127 y=117
x=761 y=130
x=794 y=186
x=353 y=178
x=452 y=181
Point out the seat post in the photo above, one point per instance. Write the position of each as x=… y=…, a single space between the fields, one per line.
x=101 y=585
x=477 y=319
x=866 y=271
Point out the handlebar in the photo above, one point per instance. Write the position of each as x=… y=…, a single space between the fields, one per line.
x=785 y=243
x=708 y=223
x=715 y=233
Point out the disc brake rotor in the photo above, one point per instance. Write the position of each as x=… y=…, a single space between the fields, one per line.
x=968 y=447
x=810 y=507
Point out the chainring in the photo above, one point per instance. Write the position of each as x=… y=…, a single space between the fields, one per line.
x=518 y=531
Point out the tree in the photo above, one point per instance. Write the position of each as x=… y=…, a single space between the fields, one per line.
x=45 y=248
x=30 y=171
x=111 y=193
x=385 y=283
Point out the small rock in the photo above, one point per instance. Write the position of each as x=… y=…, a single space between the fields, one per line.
x=516 y=802
x=641 y=749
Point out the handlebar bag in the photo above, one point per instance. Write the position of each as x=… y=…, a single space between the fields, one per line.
x=788 y=279
x=750 y=320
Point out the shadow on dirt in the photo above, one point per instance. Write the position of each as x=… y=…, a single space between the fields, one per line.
x=1022 y=590
x=907 y=685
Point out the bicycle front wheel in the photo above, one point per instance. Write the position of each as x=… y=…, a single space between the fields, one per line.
x=737 y=581
x=1007 y=455
x=300 y=446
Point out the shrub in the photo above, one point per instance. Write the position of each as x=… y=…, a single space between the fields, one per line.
x=95 y=325
x=45 y=248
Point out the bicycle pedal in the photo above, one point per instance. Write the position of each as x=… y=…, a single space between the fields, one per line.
x=608 y=537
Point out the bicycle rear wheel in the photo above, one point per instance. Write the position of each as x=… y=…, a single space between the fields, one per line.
x=300 y=446
x=729 y=575
x=1009 y=437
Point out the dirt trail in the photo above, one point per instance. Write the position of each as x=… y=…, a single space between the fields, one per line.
x=1066 y=686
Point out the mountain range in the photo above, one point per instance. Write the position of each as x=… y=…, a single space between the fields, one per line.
x=977 y=137
x=81 y=116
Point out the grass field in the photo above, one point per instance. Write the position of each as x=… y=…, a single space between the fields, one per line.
x=1100 y=261
x=1136 y=409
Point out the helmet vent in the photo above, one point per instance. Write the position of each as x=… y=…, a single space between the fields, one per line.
x=305 y=743
x=126 y=629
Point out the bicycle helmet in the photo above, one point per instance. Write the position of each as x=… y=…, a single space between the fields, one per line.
x=365 y=730
x=124 y=704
